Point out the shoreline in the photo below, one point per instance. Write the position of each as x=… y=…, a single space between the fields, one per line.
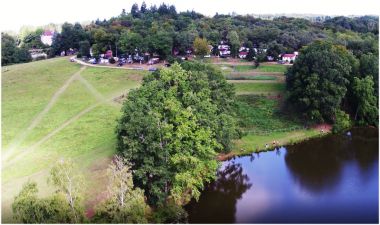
x=287 y=141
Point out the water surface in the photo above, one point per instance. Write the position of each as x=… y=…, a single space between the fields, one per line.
x=333 y=179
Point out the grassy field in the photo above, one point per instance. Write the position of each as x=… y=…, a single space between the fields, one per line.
x=49 y=112
x=261 y=68
x=259 y=88
x=244 y=77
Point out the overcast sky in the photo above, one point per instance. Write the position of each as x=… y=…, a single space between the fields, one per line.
x=15 y=13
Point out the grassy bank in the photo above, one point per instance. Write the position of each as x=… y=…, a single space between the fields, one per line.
x=263 y=122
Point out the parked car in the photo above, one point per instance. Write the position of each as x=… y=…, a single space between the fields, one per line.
x=153 y=61
x=120 y=63
x=92 y=61
x=72 y=60
x=152 y=69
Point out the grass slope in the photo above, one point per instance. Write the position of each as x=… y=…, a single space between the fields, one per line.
x=80 y=124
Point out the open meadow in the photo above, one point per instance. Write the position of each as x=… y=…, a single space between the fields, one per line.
x=55 y=109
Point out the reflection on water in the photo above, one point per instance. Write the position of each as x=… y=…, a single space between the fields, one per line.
x=332 y=179
x=220 y=197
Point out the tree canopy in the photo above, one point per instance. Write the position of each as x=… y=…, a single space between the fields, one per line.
x=318 y=80
x=170 y=130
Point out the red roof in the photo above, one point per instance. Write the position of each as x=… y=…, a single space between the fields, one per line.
x=243 y=53
x=288 y=55
x=48 y=33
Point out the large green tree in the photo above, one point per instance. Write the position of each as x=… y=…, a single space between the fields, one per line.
x=367 y=112
x=317 y=82
x=233 y=39
x=164 y=134
x=201 y=47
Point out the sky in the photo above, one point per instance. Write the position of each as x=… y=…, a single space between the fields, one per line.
x=16 y=13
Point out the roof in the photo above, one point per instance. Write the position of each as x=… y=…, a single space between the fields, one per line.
x=243 y=53
x=288 y=55
x=48 y=33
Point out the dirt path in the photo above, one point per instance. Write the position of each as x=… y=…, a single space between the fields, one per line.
x=58 y=129
x=36 y=120
x=92 y=89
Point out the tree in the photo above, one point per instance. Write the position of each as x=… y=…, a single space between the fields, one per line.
x=8 y=49
x=234 y=41
x=367 y=112
x=318 y=80
x=64 y=177
x=130 y=42
x=161 y=43
x=28 y=208
x=369 y=66
x=201 y=46
x=84 y=48
x=135 y=10
x=10 y=53
x=163 y=132
x=143 y=8
x=126 y=204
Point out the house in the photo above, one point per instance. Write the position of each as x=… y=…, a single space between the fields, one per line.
x=289 y=57
x=47 y=37
x=108 y=54
x=224 y=50
x=243 y=52
x=243 y=55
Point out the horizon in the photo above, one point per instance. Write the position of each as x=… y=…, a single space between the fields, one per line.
x=209 y=8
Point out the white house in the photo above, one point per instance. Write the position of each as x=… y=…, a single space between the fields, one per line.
x=224 y=50
x=289 y=57
x=47 y=37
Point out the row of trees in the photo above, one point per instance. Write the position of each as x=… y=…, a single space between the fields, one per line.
x=328 y=83
x=162 y=30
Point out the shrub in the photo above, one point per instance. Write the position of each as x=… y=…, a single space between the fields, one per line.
x=342 y=122
x=111 y=60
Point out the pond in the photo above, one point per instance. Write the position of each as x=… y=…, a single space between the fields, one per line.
x=333 y=179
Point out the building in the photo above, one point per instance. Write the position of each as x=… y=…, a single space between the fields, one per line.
x=243 y=52
x=224 y=50
x=243 y=55
x=47 y=37
x=289 y=57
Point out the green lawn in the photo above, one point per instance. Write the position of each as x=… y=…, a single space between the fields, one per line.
x=262 y=68
x=259 y=88
x=26 y=89
x=245 y=77
x=79 y=125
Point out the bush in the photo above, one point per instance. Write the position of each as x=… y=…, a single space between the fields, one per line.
x=111 y=60
x=342 y=122
x=169 y=213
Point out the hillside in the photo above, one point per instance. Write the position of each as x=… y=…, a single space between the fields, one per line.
x=55 y=109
